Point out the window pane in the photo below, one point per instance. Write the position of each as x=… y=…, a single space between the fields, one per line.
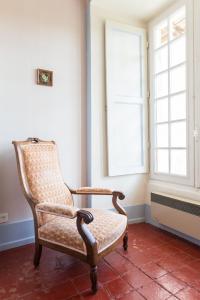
x=162 y=135
x=178 y=107
x=178 y=134
x=161 y=34
x=161 y=59
x=162 y=161
x=162 y=110
x=177 y=24
x=177 y=51
x=177 y=79
x=178 y=162
x=161 y=85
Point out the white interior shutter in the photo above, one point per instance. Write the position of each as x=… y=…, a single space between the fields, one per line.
x=126 y=99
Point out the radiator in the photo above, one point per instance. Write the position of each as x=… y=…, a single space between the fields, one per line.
x=177 y=213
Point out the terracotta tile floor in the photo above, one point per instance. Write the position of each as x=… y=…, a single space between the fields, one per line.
x=157 y=266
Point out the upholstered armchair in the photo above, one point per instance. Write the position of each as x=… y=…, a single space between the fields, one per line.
x=88 y=234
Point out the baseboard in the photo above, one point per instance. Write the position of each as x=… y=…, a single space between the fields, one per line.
x=136 y=220
x=16 y=234
x=17 y=243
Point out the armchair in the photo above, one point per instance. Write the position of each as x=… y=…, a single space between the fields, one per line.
x=88 y=234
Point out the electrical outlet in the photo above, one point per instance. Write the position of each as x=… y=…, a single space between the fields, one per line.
x=3 y=217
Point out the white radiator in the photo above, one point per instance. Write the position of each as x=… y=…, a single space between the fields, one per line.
x=177 y=213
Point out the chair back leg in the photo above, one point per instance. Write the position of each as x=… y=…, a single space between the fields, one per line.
x=125 y=241
x=38 y=252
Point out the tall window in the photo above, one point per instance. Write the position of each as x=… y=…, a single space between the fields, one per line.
x=169 y=89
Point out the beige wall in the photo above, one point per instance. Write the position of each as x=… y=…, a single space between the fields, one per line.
x=41 y=34
x=134 y=186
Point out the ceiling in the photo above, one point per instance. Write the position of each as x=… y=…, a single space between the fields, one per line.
x=143 y=10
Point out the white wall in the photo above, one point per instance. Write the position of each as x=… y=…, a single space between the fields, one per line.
x=134 y=186
x=41 y=34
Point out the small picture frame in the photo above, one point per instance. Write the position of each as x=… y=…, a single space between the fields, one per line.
x=44 y=77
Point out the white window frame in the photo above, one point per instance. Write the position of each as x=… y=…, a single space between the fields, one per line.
x=189 y=179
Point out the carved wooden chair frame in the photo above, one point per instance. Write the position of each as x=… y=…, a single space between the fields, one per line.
x=84 y=217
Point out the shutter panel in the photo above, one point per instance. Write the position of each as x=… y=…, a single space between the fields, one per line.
x=126 y=99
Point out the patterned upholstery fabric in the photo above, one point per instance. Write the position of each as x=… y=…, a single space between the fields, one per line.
x=106 y=228
x=57 y=209
x=44 y=175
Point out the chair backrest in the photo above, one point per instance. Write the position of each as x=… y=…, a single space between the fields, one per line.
x=40 y=173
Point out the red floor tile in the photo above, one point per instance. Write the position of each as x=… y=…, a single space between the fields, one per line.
x=153 y=270
x=188 y=275
x=118 y=288
x=118 y=262
x=60 y=292
x=175 y=262
x=106 y=273
x=139 y=258
x=137 y=278
x=102 y=294
x=76 y=298
x=82 y=283
x=170 y=283
x=193 y=250
x=132 y=296
x=188 y=294
x=154 y=292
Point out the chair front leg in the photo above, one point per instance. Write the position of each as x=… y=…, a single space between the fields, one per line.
x=85 y=217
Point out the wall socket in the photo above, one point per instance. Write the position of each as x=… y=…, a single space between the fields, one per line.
x=3 y=217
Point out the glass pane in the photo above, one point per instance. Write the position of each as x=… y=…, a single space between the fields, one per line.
x=161 y=34
x=177 y=51
x=178 y=107
x=161 y=59
x=161 y=85
x=178 y=164
x=178 y=134
x=177 y=23
x=162 y=135
x=162 y=110
x=177 y=79
x=162 y=161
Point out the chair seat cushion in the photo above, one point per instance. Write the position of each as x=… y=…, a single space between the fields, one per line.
x=106 y=228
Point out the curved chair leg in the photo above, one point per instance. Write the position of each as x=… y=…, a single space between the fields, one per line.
x=38 y=252
x=93 y=277
x=125 y=241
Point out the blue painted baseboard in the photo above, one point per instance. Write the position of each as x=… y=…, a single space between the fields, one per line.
x=16 y=234
x=136 y=213
x=148 y=219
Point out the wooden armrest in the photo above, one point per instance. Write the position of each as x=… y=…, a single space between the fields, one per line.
x=61 y=210
x=91 y=191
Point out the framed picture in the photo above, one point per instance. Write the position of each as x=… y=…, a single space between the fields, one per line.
x=44 y=77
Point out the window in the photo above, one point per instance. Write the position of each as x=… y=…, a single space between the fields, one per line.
x=171 y=134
